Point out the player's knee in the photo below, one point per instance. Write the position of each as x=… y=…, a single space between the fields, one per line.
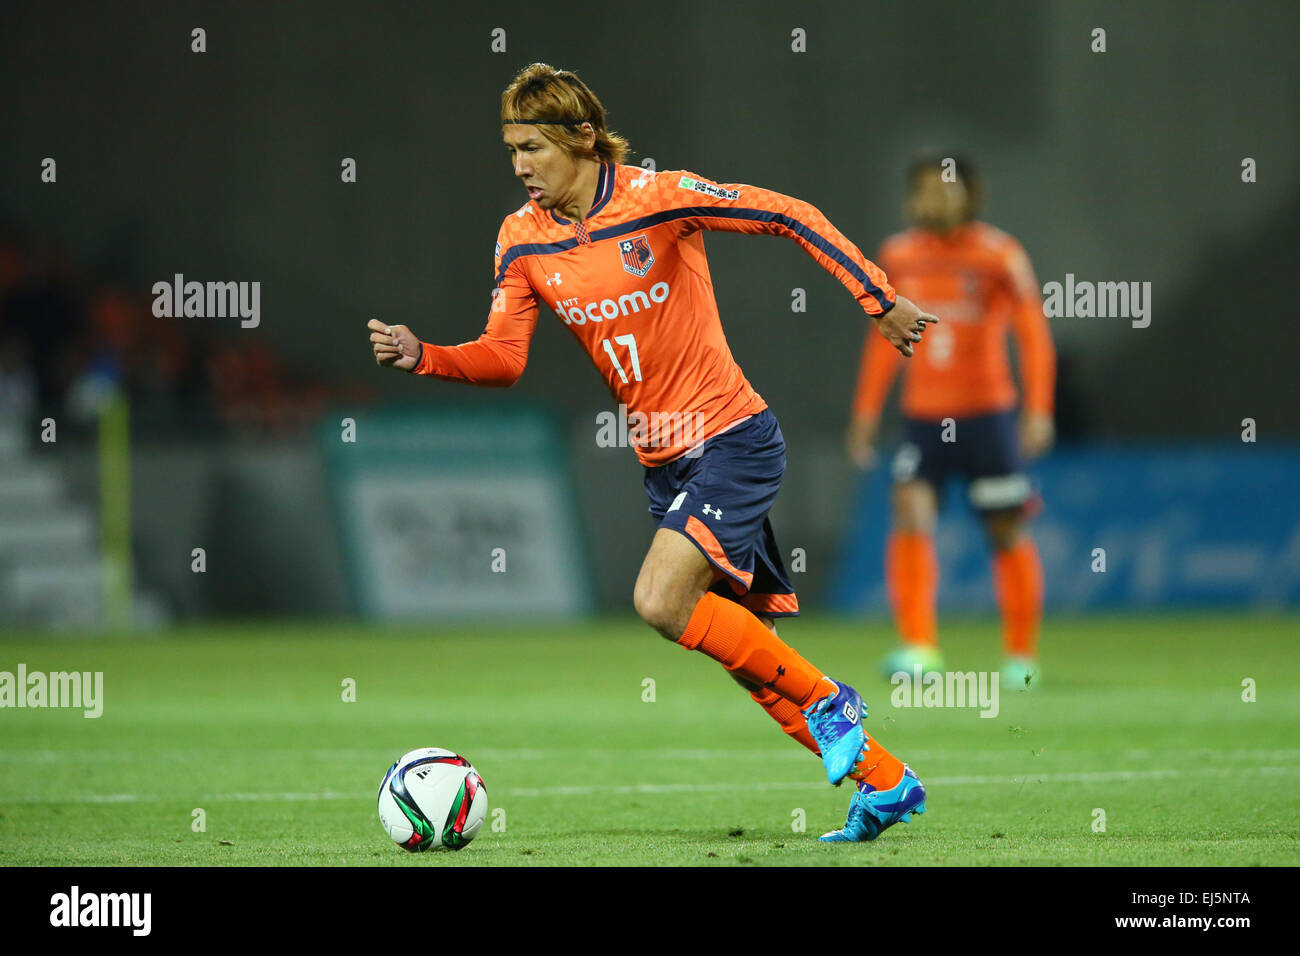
x=658 y=608
x=913 y=508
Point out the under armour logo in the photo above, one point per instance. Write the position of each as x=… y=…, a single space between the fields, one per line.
x=645 y=178
x=554 y=279
x=780 y=672
x=716 y=512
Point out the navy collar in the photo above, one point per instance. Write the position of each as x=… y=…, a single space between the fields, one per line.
x=604 y=192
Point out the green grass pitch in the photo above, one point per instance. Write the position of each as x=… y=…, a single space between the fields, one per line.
x=1140 y=717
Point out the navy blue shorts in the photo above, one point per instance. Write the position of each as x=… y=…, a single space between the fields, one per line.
x=983 y=450
x=720 y=500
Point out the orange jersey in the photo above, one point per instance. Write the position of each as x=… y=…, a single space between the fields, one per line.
x=978 y=281
x=632 y=284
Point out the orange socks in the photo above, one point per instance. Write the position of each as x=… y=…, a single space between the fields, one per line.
x=737 y=640
x=1018 y=580
x=878 y=767
x=788 y=716
x=912 y=577
x=912 y=574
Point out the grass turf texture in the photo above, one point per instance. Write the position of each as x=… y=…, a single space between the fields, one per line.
x=1139 y=716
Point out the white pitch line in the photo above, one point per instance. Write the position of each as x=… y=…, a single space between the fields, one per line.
x=626 y=789
x=959 y=781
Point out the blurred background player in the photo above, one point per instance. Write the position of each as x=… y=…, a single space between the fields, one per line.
x=960 y=410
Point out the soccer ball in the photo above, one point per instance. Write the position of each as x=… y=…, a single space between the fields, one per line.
x=432 y=799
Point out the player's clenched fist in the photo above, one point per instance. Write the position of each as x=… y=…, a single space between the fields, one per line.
x=395 y=346
x=903 y=324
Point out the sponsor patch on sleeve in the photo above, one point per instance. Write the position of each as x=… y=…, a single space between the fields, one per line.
x=696 y=185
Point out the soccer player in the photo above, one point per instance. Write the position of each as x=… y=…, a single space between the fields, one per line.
x=617 y=252
x=959 y=408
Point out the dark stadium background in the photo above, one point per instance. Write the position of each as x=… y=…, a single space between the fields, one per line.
x=1116 y=166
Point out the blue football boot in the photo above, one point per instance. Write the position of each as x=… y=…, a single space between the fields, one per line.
x=835 y=722
x=874 y=811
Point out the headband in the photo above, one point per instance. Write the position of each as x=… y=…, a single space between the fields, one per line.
x=542 y=122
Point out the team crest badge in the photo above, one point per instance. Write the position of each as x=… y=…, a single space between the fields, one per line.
x=637 y=257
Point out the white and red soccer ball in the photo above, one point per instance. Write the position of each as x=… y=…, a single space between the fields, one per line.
x=432 y=799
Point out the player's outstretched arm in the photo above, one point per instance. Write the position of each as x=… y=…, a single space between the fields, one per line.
x=737 y=207
x=495 y=359
x=1033 y=337
x=903 y=324
x=395 y=346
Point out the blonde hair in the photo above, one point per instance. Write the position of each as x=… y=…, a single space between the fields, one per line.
x=541 y=92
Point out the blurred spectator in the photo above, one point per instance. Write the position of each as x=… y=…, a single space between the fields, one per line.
x=69 y=345
x=44 y=311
